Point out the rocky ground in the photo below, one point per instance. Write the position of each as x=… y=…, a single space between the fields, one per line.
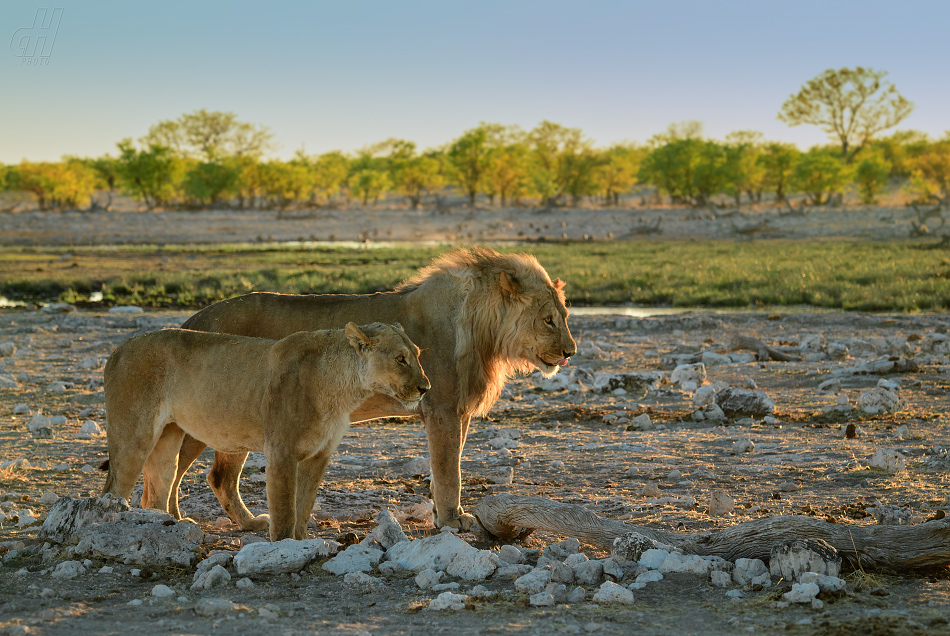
x=657 y=422
x=459 y=223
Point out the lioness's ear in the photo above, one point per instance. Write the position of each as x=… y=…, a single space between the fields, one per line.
x=357 y=338
x=558 y=284
x=509 y=284
x=398 y=327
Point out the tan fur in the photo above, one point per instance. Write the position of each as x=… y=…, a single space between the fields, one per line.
x=478 y=315
x=291 y=398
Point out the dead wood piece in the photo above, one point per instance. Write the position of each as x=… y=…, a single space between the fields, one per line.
x=739 y=342
x=510 y=517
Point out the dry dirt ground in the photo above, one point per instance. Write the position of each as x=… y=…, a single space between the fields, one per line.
x=576 y=445
x=458 y=223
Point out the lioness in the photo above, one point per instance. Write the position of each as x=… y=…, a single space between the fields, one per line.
x=478 y=315
x=291 y=398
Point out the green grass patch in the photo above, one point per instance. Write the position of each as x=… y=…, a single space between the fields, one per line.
x=891 y=276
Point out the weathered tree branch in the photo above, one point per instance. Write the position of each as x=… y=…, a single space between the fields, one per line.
x=510 y=517
x=739 y=342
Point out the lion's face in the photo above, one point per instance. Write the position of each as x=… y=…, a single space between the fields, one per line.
x=392 y=362
x=546 y=341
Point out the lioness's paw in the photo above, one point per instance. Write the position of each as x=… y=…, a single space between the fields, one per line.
x=255 y=524
x=460 y=520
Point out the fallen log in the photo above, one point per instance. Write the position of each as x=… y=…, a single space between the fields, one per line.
x=739 y=342
x=508 y=517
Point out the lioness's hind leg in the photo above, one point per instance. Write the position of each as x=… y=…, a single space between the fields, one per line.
x=191 y=448
x=160 y=468
x=223 y=480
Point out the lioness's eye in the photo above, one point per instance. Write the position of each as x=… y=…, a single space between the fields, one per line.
x=401 y=359
x=549 y=321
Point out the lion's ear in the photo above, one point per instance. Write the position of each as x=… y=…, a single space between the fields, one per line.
x=357 y=338
x=398 y=327
x=558 y=284
x=509 y=284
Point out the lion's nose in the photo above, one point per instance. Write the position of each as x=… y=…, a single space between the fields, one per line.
x=422 y=390
x=569 y=352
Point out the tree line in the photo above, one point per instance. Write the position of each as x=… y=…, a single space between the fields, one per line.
x=205 y=160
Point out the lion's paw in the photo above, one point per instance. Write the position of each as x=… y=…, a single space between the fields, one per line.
x=256 y=524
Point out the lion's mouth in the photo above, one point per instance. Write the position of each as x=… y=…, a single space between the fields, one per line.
x=553 y=365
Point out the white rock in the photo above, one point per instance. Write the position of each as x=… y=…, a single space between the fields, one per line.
x=214 y=606
x=473 y=566
x=888 y=515
x=434 y=552
x=704 y=395
x=577 y=595
x=720 y=502
x=125 y=309
x=90 y=429
x=654 y=558
x=791 y=559
x=534 y=581
x=7 y=381
x=416 y=466
x=736 y=401
x=56 y=387
x=428 y=577
x=448 y=601
x=642 y=422
x=690 y=563
x=143 y=537
x=7 y=349
x=631 y=547
x=588 y=572
x=713 y=413
x=747 y=569
x=824 y=582
x=59 y=308
x=743 y=445
x=38 y=421
x=355 y=558
x=575 y=559
x=561 y=550
x=387 y=532
x=613 y=593
x=68 y=516
x=888 y=460
x=207 y=579
x=288 y=555
x=650 y=576
x=720 y=578
x=511 y=554
x=221 y=558
x=694 y=374
x=48 y=498
x=245 y=584
x=879 y=400
x=713 y=359
x=68 y=570
x=542 y=599
x=90 y=364
x=162 y=591
x=802 y=593
x=106 y=569
x=21 y=409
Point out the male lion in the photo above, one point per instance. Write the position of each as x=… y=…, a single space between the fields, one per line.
x=478 y=315
x=291 y=398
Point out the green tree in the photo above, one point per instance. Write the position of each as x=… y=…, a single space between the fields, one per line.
x=709 y=173
x=563 y=162
x=616 y=172
x=330 y=172
x=819 y=175
x=742 y=171
x=107 y=172
x=850 y=105
x=150 y=175
x=777 y=161
x=210 y=135
x=901 y=148
x=507 y=175
x=248 y=181
x=370 y=184
x=285 y=184
x=208 y=181
x=468 y=161
x=417 y=176
x=671 y=167
x=931 y=172
x=871 y=175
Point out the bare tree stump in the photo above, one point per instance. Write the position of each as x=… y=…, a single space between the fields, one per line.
x=510 y=517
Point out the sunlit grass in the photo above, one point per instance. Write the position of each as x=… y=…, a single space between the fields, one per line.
x=901 y=276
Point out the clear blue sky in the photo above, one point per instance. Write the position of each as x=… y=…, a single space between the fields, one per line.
x=342 y=75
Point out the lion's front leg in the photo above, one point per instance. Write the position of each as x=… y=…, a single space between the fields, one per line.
x=281 y=491
x=223 y=479
x=446 y=432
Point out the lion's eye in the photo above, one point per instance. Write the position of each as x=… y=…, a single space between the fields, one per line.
x=401 y=359
x=549 y=321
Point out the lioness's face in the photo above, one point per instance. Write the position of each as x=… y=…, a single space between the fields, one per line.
x=392 y=363
x=552 y=343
